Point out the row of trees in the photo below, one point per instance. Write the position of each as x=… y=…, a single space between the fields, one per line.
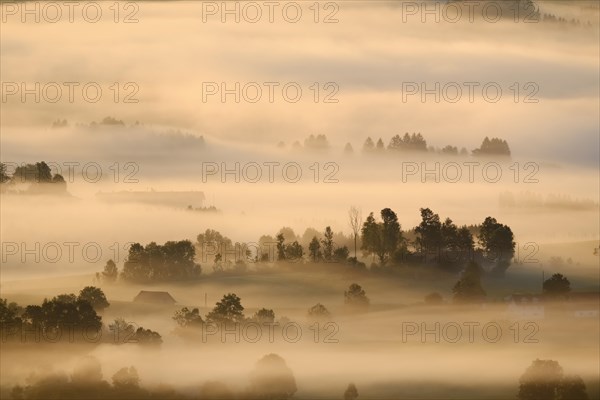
x=271 y=378
x=69 y=317
x=86 y=381
x=431 y=242
x=175 y=260
x=414 y=142
x=36 y=177
x=468 y=289
x=62 y=313
x=229 y=310
x=385 y=241
x=441 y=242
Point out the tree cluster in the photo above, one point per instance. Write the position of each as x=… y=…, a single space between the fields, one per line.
x=492 y=147
x=37 y=177
x=62 y=313
x=545 y=380
x=172 y=261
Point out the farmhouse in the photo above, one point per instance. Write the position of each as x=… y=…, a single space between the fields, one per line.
x=154 y=297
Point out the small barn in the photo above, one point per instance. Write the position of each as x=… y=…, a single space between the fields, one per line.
x=154 y=297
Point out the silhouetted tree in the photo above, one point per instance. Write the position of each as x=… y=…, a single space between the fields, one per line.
x=493 y=147
x=540 y=381
x=10 y=321
x=341 y=254
x=294 y=251
x=450 y=150
x=110 y=272
x=188 y=318
x=288 y=233
x=465 y=242
x=212 y=243
x=111 y=121
x=315 y=249
x=351 y=392
x=556 y=286
x=39 y=172
x=382 y=239
x=395 y=143
x=371 y=237
x=468 y=289
x=355 y=218
x=264 y=316
x=497 y=241
x=414 y=142
x=267 y=248
x=122 y=331
x=327 y=243
x=429 y=233
x=272 y=379
x=369 y=145
x=356 y=296
x=147 y=337
x=572 y=387
x=126 y=378
x=318 y=311
x=228 y=310
x=449 y=235
x=280 y=247
x=318 y=142
x=3 y=175
x=65 y=298
x=95 y=296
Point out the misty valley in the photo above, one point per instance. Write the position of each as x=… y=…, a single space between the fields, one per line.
x=300 y=200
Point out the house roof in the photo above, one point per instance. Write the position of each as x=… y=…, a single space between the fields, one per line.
x=148 y=296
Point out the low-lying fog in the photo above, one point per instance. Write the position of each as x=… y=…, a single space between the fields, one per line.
x=133 y=182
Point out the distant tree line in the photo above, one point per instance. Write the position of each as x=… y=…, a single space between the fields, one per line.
x=432 y=243
x=408 y=143
x=270 y=378
x=36 y=177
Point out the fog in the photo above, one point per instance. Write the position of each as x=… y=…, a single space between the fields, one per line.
x=179 y=160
